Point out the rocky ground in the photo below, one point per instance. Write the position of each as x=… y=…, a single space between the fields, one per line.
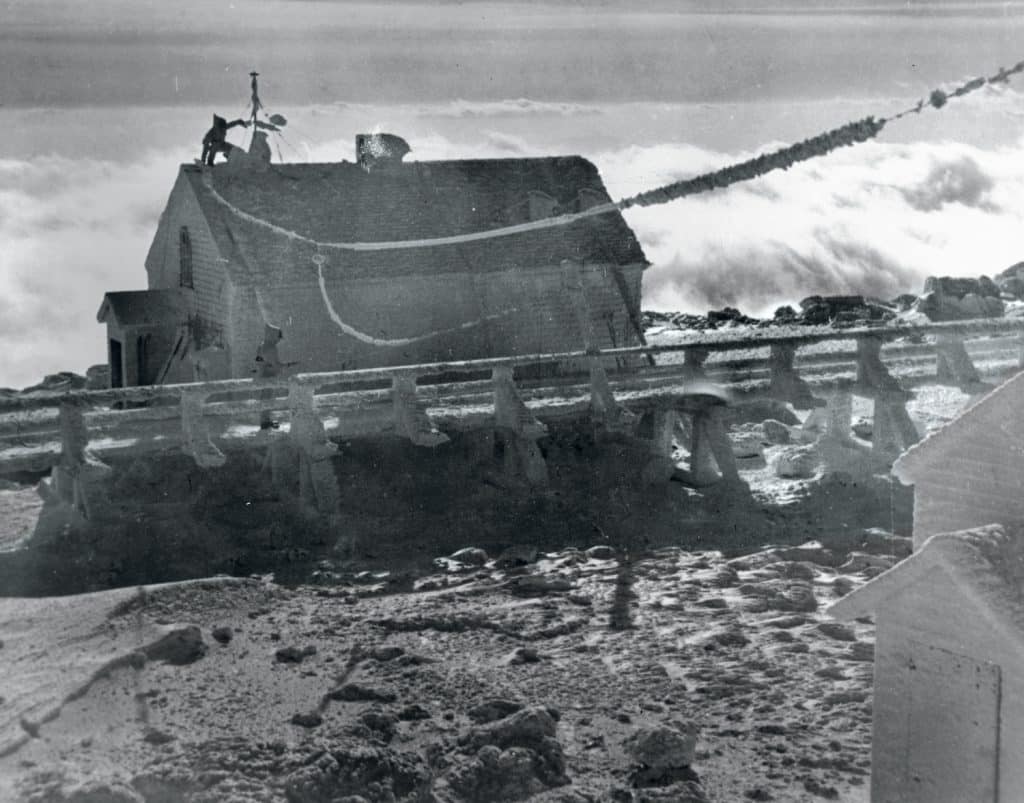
x=573 y=675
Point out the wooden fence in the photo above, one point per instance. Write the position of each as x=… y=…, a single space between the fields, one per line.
x=73 y=432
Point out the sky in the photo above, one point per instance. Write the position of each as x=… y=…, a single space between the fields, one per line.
x=101 y=102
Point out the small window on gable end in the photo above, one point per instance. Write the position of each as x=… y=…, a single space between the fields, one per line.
x=185 y=258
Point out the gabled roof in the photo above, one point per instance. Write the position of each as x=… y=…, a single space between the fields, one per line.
x=986 y=562
x=343 y=202
x=146 y=307
x=995 y=418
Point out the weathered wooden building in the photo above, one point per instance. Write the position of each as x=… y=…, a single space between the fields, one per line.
x=949 y=669
x=971 y=471
x=249 y=243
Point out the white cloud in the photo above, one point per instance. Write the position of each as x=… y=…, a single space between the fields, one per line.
x=873 y=219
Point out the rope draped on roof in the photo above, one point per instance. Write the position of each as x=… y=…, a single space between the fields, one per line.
x=846 y=135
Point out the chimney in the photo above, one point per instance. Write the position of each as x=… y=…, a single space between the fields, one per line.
x=373 y=150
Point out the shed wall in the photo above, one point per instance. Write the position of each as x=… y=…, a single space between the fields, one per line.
x=418 y=319
x=934 y=612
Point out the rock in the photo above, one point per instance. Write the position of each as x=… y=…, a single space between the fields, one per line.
x=879 y=542
x=523 y=655
x=97 y=377
x=785 y=622
x=471 y=556
x=842 y=310
x=661 y=757
x=294 y=655
x=496 y=774
x=780 y=595
x=386 y=653
x=796 y=462
x=725 y=577
x=493 y=710
x=661 y=747
x=536 y=585
x=904 y=301
x=180 y=646
x=96 y=791
x=600 y=552
x=755 y=411
x=775 y=432
x=222 y=634
x=308 y=720
x=63 y=380
x=860 y=651
x=859 y=561
x=811 y=552
x=157 y=736
x=728 y=316
x=747 y=441
x=383 y=724
x=846 y=696
x=359 y=771
x=516 y=555
x=532 y=729
x=357 y=692
x=953 y=298
x=961 y=286
x=837 y=631
x=793 y=570
x=863 y=428
x=1011 y=280
x=413 y=712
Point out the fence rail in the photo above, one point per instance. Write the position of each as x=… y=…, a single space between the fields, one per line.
x=71 y=431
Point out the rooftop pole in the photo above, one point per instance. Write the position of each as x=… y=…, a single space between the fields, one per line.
x=256 y=106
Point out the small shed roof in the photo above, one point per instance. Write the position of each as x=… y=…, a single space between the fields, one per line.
x=993 y=422
x=145 y=307
x=986 y=562
x=344 y=202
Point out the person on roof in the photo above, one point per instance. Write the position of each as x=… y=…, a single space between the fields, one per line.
x=215 y=140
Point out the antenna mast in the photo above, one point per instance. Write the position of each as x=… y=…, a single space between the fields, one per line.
x=256 y=106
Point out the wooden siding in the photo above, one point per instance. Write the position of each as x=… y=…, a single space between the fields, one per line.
x=937 y=613
x=163 y=264
x=521 y=312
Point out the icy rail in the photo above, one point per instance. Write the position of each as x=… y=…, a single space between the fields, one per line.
x=74 y=432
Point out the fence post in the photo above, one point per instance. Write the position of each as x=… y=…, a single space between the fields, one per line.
x=711 y=448
x=518 y=426
x=693 y=362
x=785 y=382
x=70 y=478
x=603 y=406
x=196 y=433
x=892 y=430
x=661 y=465
x=318 y=486
x=411 y=420
x=953 y=363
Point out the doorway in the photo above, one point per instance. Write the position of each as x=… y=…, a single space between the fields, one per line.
x=116 y=364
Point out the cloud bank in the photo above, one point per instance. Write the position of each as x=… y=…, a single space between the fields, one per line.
x=875 y=219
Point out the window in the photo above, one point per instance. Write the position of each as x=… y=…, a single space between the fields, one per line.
x=185 y=258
